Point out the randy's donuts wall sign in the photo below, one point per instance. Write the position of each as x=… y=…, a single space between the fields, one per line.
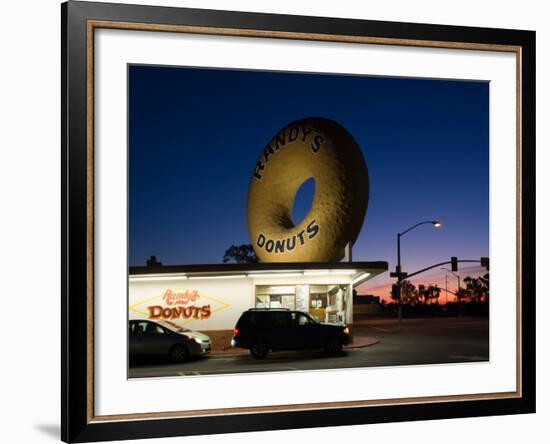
x=315 y=148
x=180 y=305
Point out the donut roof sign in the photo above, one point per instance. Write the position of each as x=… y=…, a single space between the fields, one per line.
x=315 y=148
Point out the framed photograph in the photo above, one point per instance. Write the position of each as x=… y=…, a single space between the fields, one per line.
x=276 y=221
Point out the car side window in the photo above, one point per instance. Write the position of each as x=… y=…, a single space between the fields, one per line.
x=139 y=328
x=300 y=319
x=280 y=319
x=153 y=329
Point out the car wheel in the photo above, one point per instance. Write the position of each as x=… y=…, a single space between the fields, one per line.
x=333 y=346
x=259 y=349
x=179 y=353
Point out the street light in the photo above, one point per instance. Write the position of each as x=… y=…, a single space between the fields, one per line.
x=399 y=274
x=458 y=282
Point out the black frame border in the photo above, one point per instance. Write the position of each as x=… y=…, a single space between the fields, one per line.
x=75 y=424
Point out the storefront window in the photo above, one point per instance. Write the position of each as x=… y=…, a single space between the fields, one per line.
x=324 y=303
x=276 y=296
x=328 y=303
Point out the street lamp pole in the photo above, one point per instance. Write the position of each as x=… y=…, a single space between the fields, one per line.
x=399 y=279
x=400 y=275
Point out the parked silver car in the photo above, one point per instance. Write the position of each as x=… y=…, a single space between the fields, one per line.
x=166 y=339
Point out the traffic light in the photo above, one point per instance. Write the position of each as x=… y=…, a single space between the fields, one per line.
x=454 y=263
x=485 y=262
x=395 y=292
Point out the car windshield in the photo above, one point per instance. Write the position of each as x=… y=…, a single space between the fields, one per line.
x=173 y=326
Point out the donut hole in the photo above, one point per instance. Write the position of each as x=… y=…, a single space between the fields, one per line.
x=303 y=201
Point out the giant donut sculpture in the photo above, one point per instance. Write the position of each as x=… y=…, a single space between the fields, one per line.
x=315 y=148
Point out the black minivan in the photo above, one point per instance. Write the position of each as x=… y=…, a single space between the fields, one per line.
x=263 y=329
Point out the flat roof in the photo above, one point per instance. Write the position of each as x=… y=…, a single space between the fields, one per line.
x=358 y=271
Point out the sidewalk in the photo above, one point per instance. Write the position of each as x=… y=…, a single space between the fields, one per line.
x=359 y=341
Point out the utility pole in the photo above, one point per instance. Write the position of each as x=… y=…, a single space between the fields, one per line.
x=446 y=292
x=454 y=262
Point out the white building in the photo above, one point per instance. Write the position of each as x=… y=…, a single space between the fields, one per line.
x=211 y=298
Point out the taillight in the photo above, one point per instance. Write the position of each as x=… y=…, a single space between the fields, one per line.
x=235 y=332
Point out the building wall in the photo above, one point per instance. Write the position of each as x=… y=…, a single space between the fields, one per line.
x=212 y=306
x=202 y=305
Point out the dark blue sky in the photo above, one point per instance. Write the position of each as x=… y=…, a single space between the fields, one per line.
x=195 y=135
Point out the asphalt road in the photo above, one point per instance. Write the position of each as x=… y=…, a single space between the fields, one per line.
x=420 y=341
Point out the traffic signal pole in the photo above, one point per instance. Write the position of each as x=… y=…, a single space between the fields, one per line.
x=401 y=275
x=483 y=260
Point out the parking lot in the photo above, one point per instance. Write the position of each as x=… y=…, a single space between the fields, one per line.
x=417 y=342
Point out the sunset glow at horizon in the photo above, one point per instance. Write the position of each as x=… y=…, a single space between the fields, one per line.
x=381 y=284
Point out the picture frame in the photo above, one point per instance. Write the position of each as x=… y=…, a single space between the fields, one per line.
x=80 y=21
